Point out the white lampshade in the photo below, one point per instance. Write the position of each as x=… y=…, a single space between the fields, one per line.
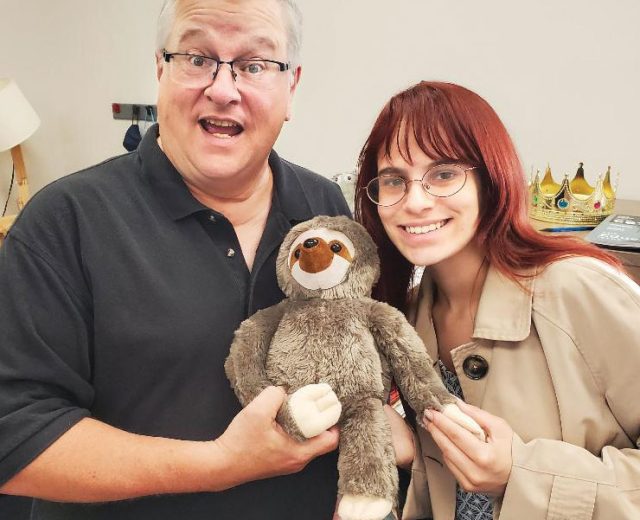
x=18 y=120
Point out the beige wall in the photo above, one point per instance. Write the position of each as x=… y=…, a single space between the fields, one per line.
x=72 y=59
x=563 y=74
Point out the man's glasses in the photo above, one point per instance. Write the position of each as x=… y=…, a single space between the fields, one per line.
x=441 y=180
x=195 y=71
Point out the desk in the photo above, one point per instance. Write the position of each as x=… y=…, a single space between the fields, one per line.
x=630 y=259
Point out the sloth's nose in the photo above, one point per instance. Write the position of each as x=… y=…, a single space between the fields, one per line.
x=310 y=243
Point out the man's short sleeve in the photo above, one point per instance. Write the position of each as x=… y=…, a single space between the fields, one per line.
x=45 y=356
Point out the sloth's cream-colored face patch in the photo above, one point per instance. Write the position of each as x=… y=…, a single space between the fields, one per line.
x=320 y=258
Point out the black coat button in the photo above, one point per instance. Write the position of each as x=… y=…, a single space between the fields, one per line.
x=475 y=367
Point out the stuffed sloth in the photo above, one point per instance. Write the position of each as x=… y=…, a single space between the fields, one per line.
x=335 y=351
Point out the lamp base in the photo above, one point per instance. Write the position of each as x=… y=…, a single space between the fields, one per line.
x=21 y=176
x=23 y=190
x=5 y=223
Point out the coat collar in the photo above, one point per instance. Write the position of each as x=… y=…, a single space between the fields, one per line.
x=504 y=311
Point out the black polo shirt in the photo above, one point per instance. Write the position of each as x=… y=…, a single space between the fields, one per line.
x=119 y=296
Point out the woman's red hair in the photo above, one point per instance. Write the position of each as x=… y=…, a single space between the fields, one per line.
x=451 y=122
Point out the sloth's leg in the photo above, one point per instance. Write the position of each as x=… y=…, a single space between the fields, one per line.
x=368 y=479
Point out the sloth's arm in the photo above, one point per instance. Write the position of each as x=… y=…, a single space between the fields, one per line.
x=246 y=364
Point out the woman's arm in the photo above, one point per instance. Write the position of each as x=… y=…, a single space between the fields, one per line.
x=402 y=436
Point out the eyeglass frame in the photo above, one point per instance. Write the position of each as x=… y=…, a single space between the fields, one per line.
x=168 y=55
x=406 y=184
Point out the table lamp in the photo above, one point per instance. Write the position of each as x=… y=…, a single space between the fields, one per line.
x=18 y=121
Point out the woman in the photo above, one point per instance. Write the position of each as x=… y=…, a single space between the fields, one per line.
x=539 y=333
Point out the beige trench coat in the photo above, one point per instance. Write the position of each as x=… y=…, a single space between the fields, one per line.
x=564 y=372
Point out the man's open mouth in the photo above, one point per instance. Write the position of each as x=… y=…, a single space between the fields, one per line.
x=222 y=128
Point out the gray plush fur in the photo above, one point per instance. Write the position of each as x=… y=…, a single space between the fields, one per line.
x=342 y=337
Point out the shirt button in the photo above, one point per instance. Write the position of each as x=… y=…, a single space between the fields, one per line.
x=212 y=218
x=231 y=253
x=475 y=367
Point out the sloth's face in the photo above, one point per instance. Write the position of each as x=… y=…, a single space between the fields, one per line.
x=320 y=258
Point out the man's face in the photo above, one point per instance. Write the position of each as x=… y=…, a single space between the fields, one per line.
x=227 y=129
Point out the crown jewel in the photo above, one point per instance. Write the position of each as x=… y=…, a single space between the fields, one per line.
x=571 y=202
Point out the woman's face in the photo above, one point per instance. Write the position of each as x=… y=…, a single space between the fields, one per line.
x=427 y=229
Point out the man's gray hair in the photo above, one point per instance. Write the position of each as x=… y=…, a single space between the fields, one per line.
x=293 y=23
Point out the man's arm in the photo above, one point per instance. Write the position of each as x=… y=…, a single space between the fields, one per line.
x=94 y=462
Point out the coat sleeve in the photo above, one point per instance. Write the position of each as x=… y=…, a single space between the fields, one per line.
x=417 y=505
x=552 y=479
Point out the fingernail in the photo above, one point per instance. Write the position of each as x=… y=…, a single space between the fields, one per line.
x=428 y=415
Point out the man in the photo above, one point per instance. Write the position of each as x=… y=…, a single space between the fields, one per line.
x=121 y=286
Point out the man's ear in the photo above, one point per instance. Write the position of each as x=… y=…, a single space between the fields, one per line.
x=295 y=79
x=159 y=65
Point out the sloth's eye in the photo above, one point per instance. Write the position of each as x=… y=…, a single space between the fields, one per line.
x=335 y=247
x=297 y=253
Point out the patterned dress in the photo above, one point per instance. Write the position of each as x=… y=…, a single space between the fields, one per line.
x=469 y=506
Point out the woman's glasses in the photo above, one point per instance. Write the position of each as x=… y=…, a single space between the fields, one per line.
x=441 y=180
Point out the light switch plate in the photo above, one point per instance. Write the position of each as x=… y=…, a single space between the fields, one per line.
x=129 y=111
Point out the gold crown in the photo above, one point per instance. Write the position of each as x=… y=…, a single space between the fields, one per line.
x=571 y=202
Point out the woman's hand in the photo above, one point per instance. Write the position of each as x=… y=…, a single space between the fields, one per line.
x=402 y=437
x=479 y=467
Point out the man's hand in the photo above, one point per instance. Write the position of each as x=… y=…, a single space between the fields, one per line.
x=257 y=447
x=479 y=467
